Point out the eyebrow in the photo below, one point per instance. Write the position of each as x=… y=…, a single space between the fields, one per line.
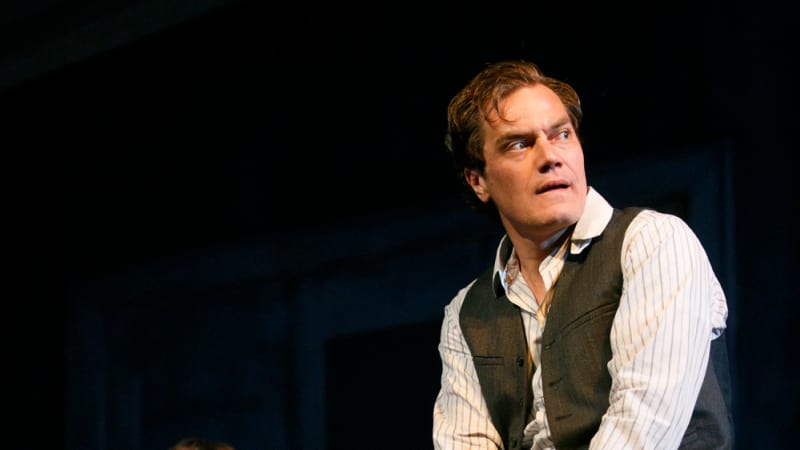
x=560 y=123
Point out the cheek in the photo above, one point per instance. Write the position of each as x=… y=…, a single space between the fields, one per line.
x=508 y=187
x=500 y=178
x=576 y=164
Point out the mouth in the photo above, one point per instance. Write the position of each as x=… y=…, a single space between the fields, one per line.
x=553 y=185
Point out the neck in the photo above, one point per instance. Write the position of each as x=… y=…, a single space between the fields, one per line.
x=531 y=252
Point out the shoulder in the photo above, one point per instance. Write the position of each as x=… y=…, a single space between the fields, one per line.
x=451 y=336
x=650 y=222
x=454 y=306
x=653 y=230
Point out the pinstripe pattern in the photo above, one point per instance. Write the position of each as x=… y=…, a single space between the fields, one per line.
x=461 y=418
x=671 y=307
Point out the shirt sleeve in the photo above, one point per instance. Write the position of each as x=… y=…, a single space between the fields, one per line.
x=460 y=416
x=671 y=307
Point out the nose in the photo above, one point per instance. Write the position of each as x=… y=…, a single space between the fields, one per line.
x=548 y=157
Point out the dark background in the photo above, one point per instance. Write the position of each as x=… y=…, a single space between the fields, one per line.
x=136 y=131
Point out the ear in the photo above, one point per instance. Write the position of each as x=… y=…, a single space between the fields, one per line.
x=475 y=179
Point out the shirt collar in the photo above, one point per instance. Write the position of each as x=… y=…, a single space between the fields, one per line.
x=595 y=217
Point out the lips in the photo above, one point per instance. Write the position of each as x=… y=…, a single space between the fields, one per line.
x=552 y=185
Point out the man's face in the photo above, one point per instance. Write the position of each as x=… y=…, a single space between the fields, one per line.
x=534 y=169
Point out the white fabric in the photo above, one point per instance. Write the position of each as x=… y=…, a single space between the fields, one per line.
x=671 y=307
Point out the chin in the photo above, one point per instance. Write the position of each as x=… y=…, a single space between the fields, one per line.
x=565 y=213
x=564 y=221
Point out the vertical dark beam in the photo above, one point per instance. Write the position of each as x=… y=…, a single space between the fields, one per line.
x=85 y=393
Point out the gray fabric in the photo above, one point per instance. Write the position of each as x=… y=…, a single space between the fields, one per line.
x=576 y=349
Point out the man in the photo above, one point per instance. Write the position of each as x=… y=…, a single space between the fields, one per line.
x=594 y=327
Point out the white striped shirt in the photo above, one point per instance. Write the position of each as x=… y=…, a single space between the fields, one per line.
x=671 y=307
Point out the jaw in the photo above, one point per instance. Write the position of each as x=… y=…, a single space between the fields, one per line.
x=545 y=215
x=539 y=228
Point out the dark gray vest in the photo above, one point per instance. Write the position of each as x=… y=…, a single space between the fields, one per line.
x=575 y=350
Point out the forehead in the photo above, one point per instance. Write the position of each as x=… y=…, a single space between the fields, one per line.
x=528 y=103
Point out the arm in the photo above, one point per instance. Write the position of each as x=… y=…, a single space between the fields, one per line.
x=671 y=307
x=460 y=416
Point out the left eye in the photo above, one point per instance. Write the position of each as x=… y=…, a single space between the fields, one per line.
x=517 y=145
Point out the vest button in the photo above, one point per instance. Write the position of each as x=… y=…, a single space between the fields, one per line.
x=520 y=362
